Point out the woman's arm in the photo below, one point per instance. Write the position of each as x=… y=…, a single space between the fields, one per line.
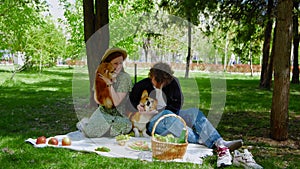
x=117 y=97
x=120 y=88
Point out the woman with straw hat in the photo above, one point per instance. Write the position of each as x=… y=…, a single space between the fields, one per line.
x=111 y=121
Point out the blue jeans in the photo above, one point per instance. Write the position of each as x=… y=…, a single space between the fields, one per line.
x=199 y=128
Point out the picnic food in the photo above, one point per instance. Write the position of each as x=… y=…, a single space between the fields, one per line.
x=121 y=139
x=53 y=141
x=66 y=141
x=169 y=138
x=140 y=146
x=41 y=140
x=103 y=149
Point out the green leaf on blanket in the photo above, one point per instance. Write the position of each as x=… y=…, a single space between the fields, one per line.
x=102 y=149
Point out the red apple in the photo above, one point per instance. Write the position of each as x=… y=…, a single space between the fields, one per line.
x=53 y=141
x=66 y=141
x=41 y=140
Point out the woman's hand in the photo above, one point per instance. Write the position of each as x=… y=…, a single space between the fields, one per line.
x=106 y=80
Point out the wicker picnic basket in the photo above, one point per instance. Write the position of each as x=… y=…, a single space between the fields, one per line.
x=166 y=150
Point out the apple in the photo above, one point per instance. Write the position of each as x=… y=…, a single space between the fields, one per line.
x=53 y=141
x=66 y=141
x=41 y=140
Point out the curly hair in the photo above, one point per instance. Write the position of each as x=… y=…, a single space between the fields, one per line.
x=162 y=73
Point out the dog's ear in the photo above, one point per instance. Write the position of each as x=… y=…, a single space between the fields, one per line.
x=144 y=94
x=104 y=68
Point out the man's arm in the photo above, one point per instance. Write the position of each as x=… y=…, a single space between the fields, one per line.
x=174 y=96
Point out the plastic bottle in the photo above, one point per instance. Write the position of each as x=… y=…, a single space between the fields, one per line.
x=181 y=139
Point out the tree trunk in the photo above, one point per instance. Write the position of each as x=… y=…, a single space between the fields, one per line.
x=102 y=27
x=270 y=68
x=250 y=58
x=146 y=47
x=280 y=102
x=96 y=40
x=226 y=52
x=188 y=58
x=89 y=19
x=266 y=48
x=295 y=76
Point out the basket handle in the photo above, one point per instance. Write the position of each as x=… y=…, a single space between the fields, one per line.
x=170 y=115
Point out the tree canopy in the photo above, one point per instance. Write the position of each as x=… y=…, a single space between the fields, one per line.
x=26 y=28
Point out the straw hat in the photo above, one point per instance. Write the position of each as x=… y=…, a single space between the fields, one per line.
x=112 y=50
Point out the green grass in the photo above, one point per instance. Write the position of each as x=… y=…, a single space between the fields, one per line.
x=50 y=103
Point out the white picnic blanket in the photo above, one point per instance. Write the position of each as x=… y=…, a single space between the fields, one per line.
x=194 y=153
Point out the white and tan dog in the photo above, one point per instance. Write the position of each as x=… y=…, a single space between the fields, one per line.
x=138 y=119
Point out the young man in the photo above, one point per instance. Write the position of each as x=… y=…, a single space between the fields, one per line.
x=162 y=85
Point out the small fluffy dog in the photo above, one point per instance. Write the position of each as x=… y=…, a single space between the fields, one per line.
x=139 y=120
x=101 y=90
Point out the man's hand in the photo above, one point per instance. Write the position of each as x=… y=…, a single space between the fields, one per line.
x=149 y=113
x=141 y=107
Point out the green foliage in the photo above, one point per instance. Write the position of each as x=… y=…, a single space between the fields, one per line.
x=244 y=21
x=25 y=29
x=16 y=18
x=75 y=48
x=190 y=9
x=241 y=22
x=144 y=25
x=44 y=44
x=128 y=17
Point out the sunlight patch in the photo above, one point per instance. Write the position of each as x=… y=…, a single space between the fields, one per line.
x=53 y=89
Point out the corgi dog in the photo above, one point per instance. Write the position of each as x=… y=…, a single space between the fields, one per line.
x=140 y=120
x=101 y=90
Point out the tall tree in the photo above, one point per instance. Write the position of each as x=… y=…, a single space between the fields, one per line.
x=188 y=57
x=282 y=53
x=295 y=76
x=270 y=68
x=264 y=82
x=96 y=36
x=189 y=10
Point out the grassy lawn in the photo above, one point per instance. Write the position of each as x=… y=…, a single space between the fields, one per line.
x=49 y=103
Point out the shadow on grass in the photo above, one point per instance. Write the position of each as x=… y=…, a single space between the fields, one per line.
x=43 y=107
